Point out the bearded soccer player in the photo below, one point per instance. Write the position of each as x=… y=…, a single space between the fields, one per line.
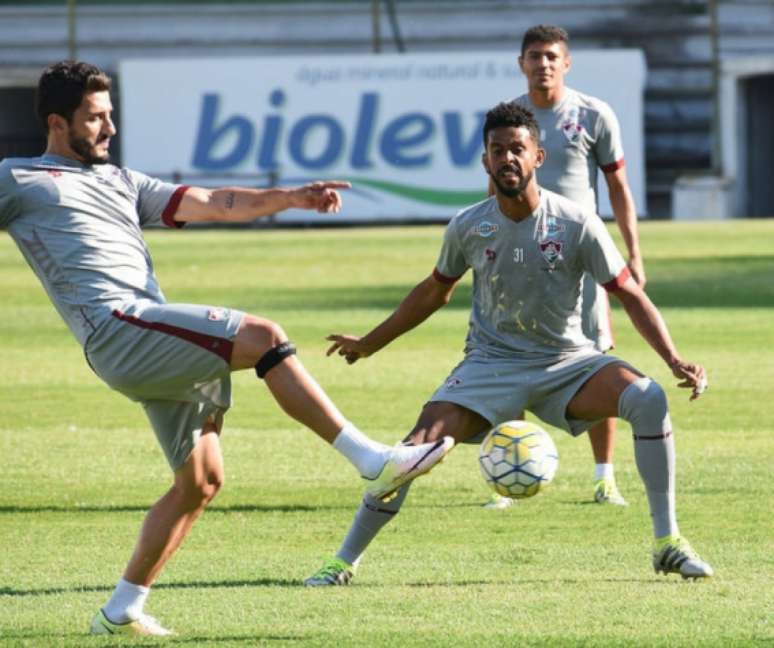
x=77 y=220
x=581 y=135
x=529 y=249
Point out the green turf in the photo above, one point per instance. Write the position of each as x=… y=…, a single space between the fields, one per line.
x=79 y=466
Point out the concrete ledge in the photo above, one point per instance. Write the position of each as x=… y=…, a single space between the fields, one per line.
x=705 y=197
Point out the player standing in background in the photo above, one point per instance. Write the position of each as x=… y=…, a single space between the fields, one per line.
x=525 y=350
x=581 y=134
x=77 y=220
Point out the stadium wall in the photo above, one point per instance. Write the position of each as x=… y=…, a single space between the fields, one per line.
x=687 y=45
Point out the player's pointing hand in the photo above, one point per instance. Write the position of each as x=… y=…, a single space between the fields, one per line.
x=322 y=196
x=348 y=346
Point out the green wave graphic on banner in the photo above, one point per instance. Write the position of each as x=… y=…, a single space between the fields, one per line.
x=443 y=197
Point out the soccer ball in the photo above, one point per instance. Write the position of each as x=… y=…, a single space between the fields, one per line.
x=518 y=459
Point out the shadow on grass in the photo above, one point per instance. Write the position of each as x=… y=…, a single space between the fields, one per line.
x=142 y=508
x=232 y=508
x=51 y=638
x=79 y=589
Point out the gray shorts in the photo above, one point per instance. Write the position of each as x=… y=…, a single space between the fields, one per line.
x=595 y=315
x=175 y=360
x=500 y=389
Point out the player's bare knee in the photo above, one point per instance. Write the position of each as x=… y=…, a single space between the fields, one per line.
x=262 y=335
x=199 y=493
x=643 y=403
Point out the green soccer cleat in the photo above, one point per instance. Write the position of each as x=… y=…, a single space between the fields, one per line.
x=498 y=502
x=606 y=492
x=334 y=571
x=673 y=555
x=407 y=462
x=146 y=625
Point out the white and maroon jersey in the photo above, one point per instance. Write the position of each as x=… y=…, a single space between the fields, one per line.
x=580 y=135
x=79 y=228
x=527 y=274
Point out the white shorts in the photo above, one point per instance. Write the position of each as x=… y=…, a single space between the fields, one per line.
x=175 y=360
x=500 y=389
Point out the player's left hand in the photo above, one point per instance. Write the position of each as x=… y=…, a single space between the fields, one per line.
x=321 y=196
x=693 y=376
x=637 y=268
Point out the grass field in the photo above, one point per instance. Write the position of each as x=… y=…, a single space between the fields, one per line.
x=79 y=466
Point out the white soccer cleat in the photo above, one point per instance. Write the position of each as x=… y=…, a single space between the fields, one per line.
x=145 y=626
x=673 y=555
x=606 y=492
x=406 y=462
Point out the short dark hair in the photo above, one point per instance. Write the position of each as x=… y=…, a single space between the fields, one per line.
x=544 y=34
x=62 y=86
x=511 y=114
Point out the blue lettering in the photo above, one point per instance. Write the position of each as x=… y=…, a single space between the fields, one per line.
x=398 y=137
x=462 y=153
x=267 y=155
x=365 y=125
x=209 y=135
x=330 y=152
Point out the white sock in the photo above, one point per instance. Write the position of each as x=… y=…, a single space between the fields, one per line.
x=127 y=602
x=603 y=471
x=367 y=455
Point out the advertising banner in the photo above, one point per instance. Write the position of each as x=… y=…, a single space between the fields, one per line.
x=405 y=129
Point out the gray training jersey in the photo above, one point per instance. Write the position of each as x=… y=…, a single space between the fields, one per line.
x=527 y=274
x=79 y=229
x=580 y=134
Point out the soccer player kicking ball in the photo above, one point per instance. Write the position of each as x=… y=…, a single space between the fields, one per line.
x=529 y=248
x=77 y=220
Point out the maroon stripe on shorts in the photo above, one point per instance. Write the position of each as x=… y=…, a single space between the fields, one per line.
x=219 y=346
x=168 y=215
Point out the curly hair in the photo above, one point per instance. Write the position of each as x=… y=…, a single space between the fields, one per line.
x=511 y=114
x=62 y=86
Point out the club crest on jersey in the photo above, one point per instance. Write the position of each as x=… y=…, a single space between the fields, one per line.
x=453 y=382
x=491 y=255
x=551 y=251
x=571 y=127
x=485 y=229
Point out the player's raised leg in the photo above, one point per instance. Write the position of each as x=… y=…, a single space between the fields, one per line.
x=618 y=390
x=262 y=344
x=438 y=420
x=165 y=527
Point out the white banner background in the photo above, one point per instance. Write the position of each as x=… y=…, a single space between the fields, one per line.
x=403 y=128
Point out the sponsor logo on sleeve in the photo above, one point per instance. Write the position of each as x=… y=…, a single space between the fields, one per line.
x=217 y=314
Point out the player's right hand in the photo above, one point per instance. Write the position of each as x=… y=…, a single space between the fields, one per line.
x=350 y=347
x=693 y=376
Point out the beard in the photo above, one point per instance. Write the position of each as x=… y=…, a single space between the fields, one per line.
x=88 y=151
x=512 y=192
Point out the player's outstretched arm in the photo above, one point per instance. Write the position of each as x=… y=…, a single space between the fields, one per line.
x=626 y=216
x=648 y=321
x=240 y=205
x=426 y=298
